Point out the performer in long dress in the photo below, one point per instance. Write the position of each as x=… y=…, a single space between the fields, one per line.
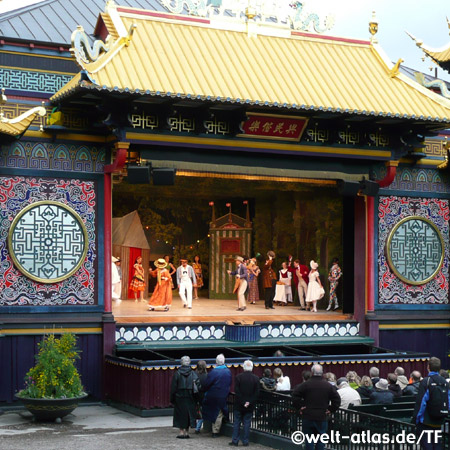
x=315 y=289
x=162 y=295
x=116 y=279
x=333 y=277
x=301 y=273
x=186 y=280
x=241 y=274
x=253 y=272
x=286 y=279
x=269 y=280
x=197 y=266
x=137 y=282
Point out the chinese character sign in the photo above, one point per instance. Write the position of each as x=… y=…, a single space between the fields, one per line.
x=289 y=128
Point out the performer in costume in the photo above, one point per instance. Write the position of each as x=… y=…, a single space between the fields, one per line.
x=286 y=279
x=333 y=277
x=269 y=280
x=137 y=282
x=186 y=279
x=241 y=274
x=301 y=271
x=115 y=279
x=197 y=266
x=162 y=295
x=171 y=268
x=253 y=272
x=315 y=289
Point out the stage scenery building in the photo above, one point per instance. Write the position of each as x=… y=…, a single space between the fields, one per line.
x=216 y=135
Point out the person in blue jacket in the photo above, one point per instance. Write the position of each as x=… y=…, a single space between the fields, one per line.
x=217 y=388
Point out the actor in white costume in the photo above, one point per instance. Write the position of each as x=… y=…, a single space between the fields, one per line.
x=186 y=281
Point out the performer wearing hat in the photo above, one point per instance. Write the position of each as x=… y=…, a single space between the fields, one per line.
x=269 y=280
x=162 y=295
x=315 y=289
x=186 y=279
x=241 y=274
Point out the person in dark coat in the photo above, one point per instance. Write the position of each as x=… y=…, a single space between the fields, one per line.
x=217 y=387
x=366 y=387
x=268 y=383
x=393 y=386
x=429 y=428
x=381 y=395
x=317 y=399
x=202 y=374
x=413 y=388
x=246 y=388
x=185 y=384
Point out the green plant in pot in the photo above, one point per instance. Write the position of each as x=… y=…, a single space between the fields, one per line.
x=53 y=386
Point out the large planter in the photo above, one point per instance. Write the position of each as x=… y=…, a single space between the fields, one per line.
x=50 y=409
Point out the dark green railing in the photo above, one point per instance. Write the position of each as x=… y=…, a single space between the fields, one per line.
x=276 y=415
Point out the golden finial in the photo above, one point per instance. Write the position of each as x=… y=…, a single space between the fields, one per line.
x=373 y=28
x=250 y=11
x=395 y=70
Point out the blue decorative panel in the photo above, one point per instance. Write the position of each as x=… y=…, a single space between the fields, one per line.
x=419 y=277
x=31 y=81
x=192 y=332
x=16 y=193
x=45 y=156
x=415 y=250
x=48 y=241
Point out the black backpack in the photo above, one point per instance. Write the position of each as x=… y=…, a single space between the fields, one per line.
x=437 y=405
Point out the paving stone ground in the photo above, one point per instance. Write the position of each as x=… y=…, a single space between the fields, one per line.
x=98 y=428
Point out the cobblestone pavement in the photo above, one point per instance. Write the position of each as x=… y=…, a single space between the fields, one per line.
x=101 y=427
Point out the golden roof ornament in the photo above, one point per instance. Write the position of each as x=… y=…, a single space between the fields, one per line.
x=373 y=28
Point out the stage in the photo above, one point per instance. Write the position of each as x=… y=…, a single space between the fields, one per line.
x=208 y=310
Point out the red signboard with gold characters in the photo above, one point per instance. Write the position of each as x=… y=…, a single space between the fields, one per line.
x=267 y=126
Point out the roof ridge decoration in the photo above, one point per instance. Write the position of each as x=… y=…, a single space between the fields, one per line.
x=439 y=84
x=95 y=58
x=286 y=13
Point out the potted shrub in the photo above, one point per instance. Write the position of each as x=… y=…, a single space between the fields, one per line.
x=53 y=386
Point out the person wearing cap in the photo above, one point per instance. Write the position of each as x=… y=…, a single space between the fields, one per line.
x=315 y=290
x=348 y=394
x=241 y=274
x=186 y=280
x=381 y=394
x=162 y=295
x=269 y=280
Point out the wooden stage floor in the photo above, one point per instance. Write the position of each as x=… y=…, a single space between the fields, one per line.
x=206 y=310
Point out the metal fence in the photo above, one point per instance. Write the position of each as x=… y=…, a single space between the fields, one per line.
x=276 y=415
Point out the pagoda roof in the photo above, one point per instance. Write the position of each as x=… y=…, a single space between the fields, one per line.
x=168 y=56
x=52 y=21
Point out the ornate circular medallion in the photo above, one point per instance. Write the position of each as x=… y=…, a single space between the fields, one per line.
x=415 y=250
x=48 y=241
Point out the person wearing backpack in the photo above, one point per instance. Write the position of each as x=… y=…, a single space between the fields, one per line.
x=432 y=406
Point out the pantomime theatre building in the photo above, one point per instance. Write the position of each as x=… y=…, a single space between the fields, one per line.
x=252 y=135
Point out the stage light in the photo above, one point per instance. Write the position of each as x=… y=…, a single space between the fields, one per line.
x=348 y=188
x=138 y=174
x=369 y=188
x=163 y=177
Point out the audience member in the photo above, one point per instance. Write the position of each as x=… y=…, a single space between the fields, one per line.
x=306 y=375
x=246 y=387
x=268 y=383
x=348 y=394
x=393 y=386
x=413 y=388
x=317 y=400
x=366 y=387
x=217 y=387
x=283 y=382
x=374 y=375
x=444 y=374
x=353 y=379
x=402 y=381
x=330 y=377
x=182 y=396
x=430 y=417
x=278 y=354
x=381 y=394
x=202 y=375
